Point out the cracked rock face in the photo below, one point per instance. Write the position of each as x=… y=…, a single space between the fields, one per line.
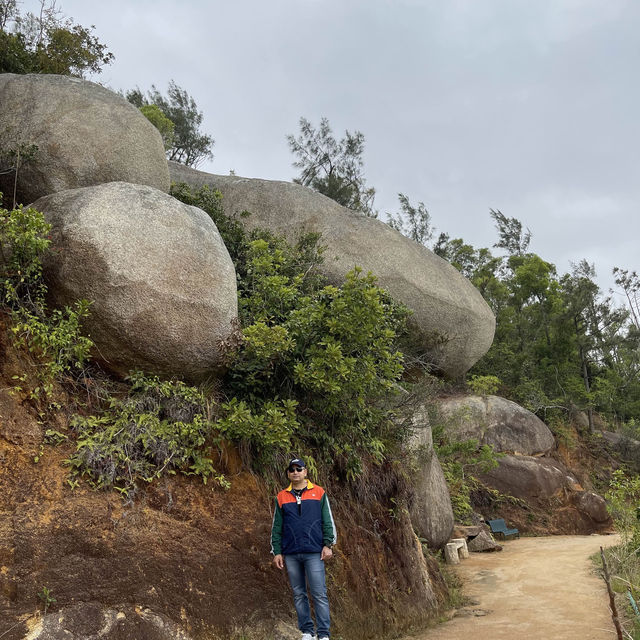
x=160 y=280
x=451 y=323
x=85 y=135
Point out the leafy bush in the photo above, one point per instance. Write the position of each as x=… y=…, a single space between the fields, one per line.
x=318 y=363
x=159 y=427
x=484 y=385
x=54 y=337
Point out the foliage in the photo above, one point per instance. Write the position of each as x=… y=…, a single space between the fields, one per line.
x=55 y=337
x=318 y=364
x=159 y=427
x=12 y=160
x=47 y=598
x=484 y=385
x=413 y=222
x=560 y=344
x=333 y=167
x=460 y=460
x=623 y=498
x=48 y=43
x=156 y=117
x=189 y=145
x=230 y=229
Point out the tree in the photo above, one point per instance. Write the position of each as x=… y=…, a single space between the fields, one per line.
x=48 y=42
x=413 y=222
x=189 y=145
x=156 y=117
x=331 y=167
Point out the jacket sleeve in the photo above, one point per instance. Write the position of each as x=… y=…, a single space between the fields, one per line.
x=276 y=530
x=329 y=533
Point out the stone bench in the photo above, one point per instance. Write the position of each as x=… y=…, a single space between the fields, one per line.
x=456 y=549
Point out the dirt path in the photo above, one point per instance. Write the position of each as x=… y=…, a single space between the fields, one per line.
x=535 y=588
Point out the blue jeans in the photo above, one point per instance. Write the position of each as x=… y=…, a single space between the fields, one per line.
x=309 y=566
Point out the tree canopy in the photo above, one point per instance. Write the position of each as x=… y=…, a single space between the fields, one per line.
x=48 y=42
x=333 y=167
x=187 y=144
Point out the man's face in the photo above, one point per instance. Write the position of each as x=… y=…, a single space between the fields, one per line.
x=297 y=473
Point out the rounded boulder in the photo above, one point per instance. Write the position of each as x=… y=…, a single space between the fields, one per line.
x=451 y=323
x=85 y=135
x=159 y=277
x=497 y=422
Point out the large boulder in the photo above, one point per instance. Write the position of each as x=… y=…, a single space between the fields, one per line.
x=451 y=322
x=430 y=508
x=161 y=281
x=529 y=478
x=85 y=134
x=497 y=422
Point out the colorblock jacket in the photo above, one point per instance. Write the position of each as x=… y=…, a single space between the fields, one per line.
x=303 y=525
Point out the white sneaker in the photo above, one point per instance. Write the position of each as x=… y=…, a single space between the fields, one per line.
x=307 y=636
x=324 y=638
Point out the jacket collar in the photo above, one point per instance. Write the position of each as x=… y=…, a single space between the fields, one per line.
x=310 y=485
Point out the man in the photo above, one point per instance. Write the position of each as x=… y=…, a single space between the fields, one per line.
x=302 y=535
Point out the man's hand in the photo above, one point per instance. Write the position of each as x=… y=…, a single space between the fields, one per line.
x=278 y=561
x=326 y=553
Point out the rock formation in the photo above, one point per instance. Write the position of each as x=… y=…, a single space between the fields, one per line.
x=161 y=282
x=85 y=134
x=527 y=478
x=450 y=321
x=430 y=508
x=495 y=421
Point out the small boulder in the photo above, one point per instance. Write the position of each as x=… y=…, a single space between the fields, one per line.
x=161 y=282
x=497 y=422
x=451 y=322
x=85 y=134
x=483 y=542
x=430 y=508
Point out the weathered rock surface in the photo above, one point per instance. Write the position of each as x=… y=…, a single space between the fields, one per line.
x=592 y=505
x=527 y=477
x=628 y=448
x=444 y=303
x=161 y=280
x=85 y=134
x=483 y=542
x=430 y=509
x=497 y=422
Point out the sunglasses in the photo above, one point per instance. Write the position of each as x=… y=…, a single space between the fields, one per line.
x=295 y=469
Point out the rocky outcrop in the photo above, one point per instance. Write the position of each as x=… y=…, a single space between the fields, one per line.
x=85 y=135
x=430 y=508
x=161 y=282
x=528 y=478
x=497 y=422
x=451 y=322
x=626 y=447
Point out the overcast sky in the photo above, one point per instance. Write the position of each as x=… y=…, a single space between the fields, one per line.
x=527 y=106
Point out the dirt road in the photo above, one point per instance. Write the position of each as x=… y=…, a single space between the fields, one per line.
x=536 y=588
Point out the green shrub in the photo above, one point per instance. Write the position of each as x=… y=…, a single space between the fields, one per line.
x=54 y=337
x=159 y=427
x=318 y=364
x=484 y=385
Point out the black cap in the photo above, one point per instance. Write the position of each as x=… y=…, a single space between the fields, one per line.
x=296 y=462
